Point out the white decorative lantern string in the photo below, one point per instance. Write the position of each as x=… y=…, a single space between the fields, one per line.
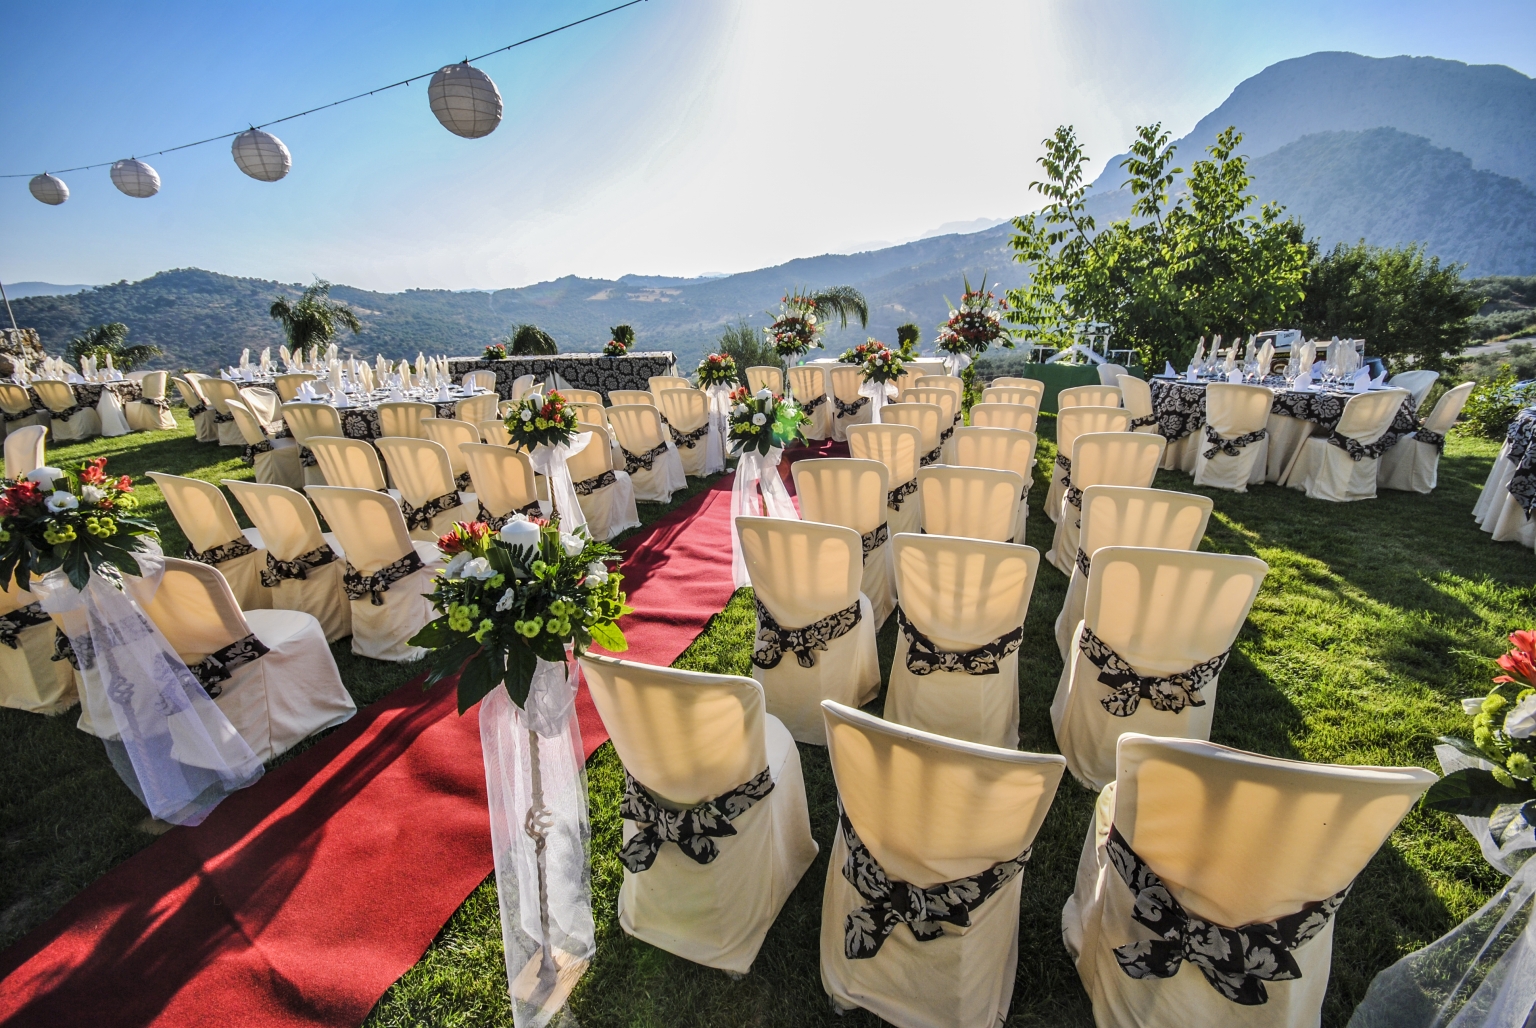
x=48 y=189
x=261 y=155
x=135 y=178
x=465 y=100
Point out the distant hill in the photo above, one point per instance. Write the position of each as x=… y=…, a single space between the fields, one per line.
x=16 y=290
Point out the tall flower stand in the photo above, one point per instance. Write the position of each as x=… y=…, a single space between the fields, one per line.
x=757 y=491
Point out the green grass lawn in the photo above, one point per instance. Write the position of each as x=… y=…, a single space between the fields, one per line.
x=1375 y=618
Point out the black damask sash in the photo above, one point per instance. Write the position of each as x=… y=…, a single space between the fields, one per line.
x=1171 y=693
x=68 y=412
x=1142 y=422
x=357 y=585
x=1064 y=463
x=1362 y=451
x=635 y=462
x=464 y=483
x=1434 y=439
x=1231 y=447
x=1235 y=961
x=588 y=486
x=1074 y=496
x=63 y=649
x=277 y=571
x=931 y=456
x=894 y=498
x=496 y=521
x=809 y=406
x=219 y=665
x=773 y=639
x=848 y=410
x=221 y=419
x=216 y=555
x=421 y=517
x=1082 y=562
x=875 y=538
x=889 y=902
x=252 y=449
x=924 y=657
x=196 y=409
x=29 y=412
x=18 y=621
x=689 y=439
x=307 y=457
x=693 y=830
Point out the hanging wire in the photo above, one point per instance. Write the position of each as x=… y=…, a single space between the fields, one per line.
x=337 y=103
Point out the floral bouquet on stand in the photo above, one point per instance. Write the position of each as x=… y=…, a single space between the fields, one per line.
x=717 y=369
x=759 y=426
x=542 y=421
x=881 y=368
x=513 y=606
x=763 y=421
x=619 y=345
x=797 y=328
x=972 y=327
x=495 y=352
x=80 y=522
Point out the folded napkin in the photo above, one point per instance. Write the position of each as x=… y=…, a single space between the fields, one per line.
x=1362 y=380
x=1319 y=368
x=1235 y=377
x=1192 y=374
x=1168 y=369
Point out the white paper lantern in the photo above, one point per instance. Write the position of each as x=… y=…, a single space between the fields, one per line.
x=136 y=178
x=50 y=190
x=465 y=100
x=261 y=155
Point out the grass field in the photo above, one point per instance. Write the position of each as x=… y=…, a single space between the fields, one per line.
x=1375 y=618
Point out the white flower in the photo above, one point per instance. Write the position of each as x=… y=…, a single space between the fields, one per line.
x=592 y=582
x=91 y=494
x=759 y=419
x=739 y=409
x=1520 y=722
x=456 y=564
x=507 y=601
x=43 y=476
x=572 y=544
x=597 y=570
x=810 y=319
x=62 y=500
x=527 y=415
x=479 y=568
x=764 y=394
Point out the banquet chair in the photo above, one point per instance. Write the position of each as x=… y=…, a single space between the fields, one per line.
x=895 y=446
x=151 y=412
x=69 y=420
x=631 y=397
x=1101 y=458
x=495 y=432
x=591 y=413
x=946 y=400
x=302 y=569
x=1217 y=838
x=692 y=741
x=972 y=503
x=1159 y=621
x=591 y=396
x=848 y=406
x=17 y=410
x=25 y=451
x=351 y=463
x=1017 y=396
x=656 y=383
x=961 y=619
x=387 y=573
x=767 y=376
x=1136 y=398
x=927 y=418
x=215 y=538
x=805 y=583
x=481 y=379
x=522 y=385
x=401 y=419
x=430 y=499
x=198 y=410
x=1122 y=515
x=306 y=420
x=30 y=679
x=1235 y=449
x=503 y=481
x=475 y=409
x=907 y=379
x=1033 y=385
x=650 y=458
x=1004 y=415
x=1005 y=449
x=449 y=433
x=1413 y=465
x=287 y=386
x=269 y=671
x=1343 y=466
x=809 y=385
x=1109 y=374
x=265 y=405
x=504 y=409
x=923 y=811
x=1071 y=423
x=1088 y=396
x=1419 y=383
x=219 y=392
x=949 y=382
x=275 y=461
x=852 y=493
x=606 y=493
x=686 y=411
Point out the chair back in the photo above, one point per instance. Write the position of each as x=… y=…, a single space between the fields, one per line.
x=927 y=418
x=582 y=396
x=1116 y=458
x=1418 y=383
x=767 y=377
x=14 y=398
x=944 y=399
x=932 y=809
x=686 y=409
x=1016 y=395
x=1368 y=415
x=449 y=433
x=846 y=380
x=419 y=467
x=403 y=418
x=1109 y=374
x=56 y=395
x=502 y=477
x=1075 y=421
x=351 y=463
x=152 y=385
x=283 y=516
x=287 y=386
x=808 y=381
x=1034 y=385
x=1088 y=396
x=1240 y=838
x=262 y=403
x=637 y=426
x=1004 y=415
x=1123 y=515
x=368 y=524
x=495 y=432
x=842 y=491
x=306 y=420
x=200 y=510
x=907 y=380
x=1448 y=408
x=597 y=456
x=24 y=450
x=522 y=385
x=245 y=421
x=963 y=593
x=657 y=383
x=895 y=446
x=1136 y=396
x=687 y=736
x=189 y=393
x=631 y=397
x=476 y=409
x=801 y=571
x=481 y=379
x=193 y=607
x=949 y=382
x=591 y=413
x=973 y=503
x=219 y=392
x=1006 y=449
x=1232 y=409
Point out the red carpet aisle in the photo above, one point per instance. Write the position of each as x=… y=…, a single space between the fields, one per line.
x=301 y=899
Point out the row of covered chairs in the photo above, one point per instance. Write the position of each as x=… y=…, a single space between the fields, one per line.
x=67 y=420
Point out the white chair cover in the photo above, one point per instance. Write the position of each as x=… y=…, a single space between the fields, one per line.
x=949 y=413
x=308 y=421
x=897 y=447
x=643 y=440
x=1071 y=423
x=656 y=383
x=275 y=461
x=930 y=810
x=583 y=396
x=1136 y=397
x=287 y=386
x=813 y=392
x=476 y=409
x=219 y=392
x=974 y=503
x=606 y=493
x=1005 y=449
x=114 y=419
x=429 y=496
x=503 y=480
x=304 y=567
x=631 y=397
x=16 y=405
x=1101 y=458
x=265 y=405
x=1109 y=374
x=852 y=493
x=1328 y=472
x=964 y=601
x=1238 y=415
x=1418 y=383
x=30 y=679
x=766 y=376
x=403 y=418
x=687 y=738
x=450 y=433
x=25 y=451
x=479 y=379
x=351 y=463
x=849 y=405
x=1004 y=415
x=1088 y=396
x=214 y=537
x=687 y=413
x=1021 y=392
x=927 y=418
x=1413 y=465
x=198 y=408
x=150 y=413
x=59 y=397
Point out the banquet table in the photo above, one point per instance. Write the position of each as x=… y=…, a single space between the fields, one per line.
x=1508 y=501
x=574 y=370
x=360 y=420
x=1296 y=415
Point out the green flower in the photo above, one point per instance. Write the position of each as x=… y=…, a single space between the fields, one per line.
x=538 y=567
x=1503 y=778
x=1493 y=703
x=484 y=630
x=530 y=628
x=1520 y=766
x=1482 y=738
x=58 y=536
x=497 y=581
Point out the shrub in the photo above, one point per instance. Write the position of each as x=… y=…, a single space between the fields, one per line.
x=749 y=348
x=1493 y=405
x=531 y=341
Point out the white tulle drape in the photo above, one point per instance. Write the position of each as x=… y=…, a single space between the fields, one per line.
x=172 y=745
x=536 y=784
x=955 y=363
x=879 y=393
x=550 y=461
x=1480 y=974
x=719 y=422
x=758 y=491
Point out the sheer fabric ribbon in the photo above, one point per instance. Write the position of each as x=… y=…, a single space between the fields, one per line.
x=550 y=461
x=878 y=394
x=757 y=491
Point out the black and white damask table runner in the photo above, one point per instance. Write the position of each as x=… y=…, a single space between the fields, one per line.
x=1179 y=409
x=581 y=370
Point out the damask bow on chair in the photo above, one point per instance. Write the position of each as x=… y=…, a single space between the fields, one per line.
x=298 y=568
x=1171 y=693
x=1231 y=447
x=773 y=640
x=693 y=830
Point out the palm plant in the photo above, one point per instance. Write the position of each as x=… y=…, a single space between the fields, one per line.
x=101 y=341
x=907 y=338
x=314 y=318
x=530 y=341
x=841 y=301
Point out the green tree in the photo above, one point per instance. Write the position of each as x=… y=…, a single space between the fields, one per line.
x=842 y=301
x=314 y=318
x=907 y=338
x=1197 y=264
x=1409 y=308
x=99 y=341
x=748 y=347
x=530 y=341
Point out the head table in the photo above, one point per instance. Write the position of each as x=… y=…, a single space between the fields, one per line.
x=573 y=370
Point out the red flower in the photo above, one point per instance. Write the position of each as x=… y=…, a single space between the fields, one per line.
x=125 y=484
x=1519 y=660
x=450 y=544
x=94 y=472
x=20 y=496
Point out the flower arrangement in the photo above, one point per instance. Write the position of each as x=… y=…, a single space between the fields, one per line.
x=976 y=324
x=879 y=364
x=541 y=421
x=762 y=421
x=623 y=339
x=80 y=521
x=508 y=598
x=495 y=352
x=797 y=328
x=716 y=369
x=856 y=354
x=1503 y=734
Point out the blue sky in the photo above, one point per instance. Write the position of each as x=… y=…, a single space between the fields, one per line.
x=675 y=137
